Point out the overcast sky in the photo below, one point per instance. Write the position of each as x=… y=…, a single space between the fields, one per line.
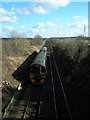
x=54 y=18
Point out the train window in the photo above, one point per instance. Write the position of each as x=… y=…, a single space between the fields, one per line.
x=37 y=69
x=32 y=71
x=43 y=69
x=34 y=68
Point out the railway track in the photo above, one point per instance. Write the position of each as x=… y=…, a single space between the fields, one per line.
x=42 y=102
x=32 y=107
x=26 y=105
x=47 y=106
x=61 y=105
x=55 y=104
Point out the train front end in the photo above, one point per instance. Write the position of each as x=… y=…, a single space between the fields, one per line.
x=38 y=67
x=37 y=74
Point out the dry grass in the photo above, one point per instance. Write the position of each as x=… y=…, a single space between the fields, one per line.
x=74 y=47
x=73 y=59
x=15 y=51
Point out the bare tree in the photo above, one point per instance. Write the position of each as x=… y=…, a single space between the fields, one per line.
x=14 y=34
x=38 y=37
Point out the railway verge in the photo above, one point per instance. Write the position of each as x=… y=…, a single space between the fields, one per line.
x=75 y=77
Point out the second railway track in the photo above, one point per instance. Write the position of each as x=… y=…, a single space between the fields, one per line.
x=61 y=104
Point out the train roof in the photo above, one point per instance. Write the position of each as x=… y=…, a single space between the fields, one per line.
x=41 y=57
x=44 y=48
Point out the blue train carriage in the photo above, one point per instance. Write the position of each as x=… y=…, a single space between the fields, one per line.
x=38 y=67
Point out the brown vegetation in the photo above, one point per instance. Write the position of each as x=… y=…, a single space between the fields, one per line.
x=73 y=56
x=15 y=52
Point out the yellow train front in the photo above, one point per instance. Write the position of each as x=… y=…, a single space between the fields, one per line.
x=38 y=67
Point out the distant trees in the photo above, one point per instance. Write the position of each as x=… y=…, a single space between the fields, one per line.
x=18 y=44
x=37 y=40
x=38 y=37
x=14 y=34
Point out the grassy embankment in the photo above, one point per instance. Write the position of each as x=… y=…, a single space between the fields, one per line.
x=15 y=52
x=73 y=59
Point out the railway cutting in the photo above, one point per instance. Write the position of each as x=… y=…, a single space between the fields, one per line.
x=41 y=100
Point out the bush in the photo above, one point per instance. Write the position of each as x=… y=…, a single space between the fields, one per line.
x=76 y=50
x=37 y=40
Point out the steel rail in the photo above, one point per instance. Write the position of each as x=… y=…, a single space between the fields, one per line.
x=28 y=102
x=62 y=88
x=26 y=106
x=38 y=117
x=53 y=91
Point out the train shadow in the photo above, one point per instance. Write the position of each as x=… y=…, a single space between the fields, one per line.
x=22 y=74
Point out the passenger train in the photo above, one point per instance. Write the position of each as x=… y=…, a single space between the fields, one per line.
x=38 y=67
